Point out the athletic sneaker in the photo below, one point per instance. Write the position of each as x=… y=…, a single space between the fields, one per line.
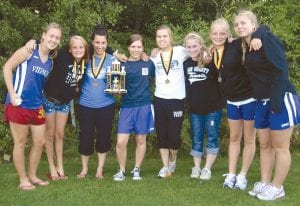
x=136 y=174
x=271 y=193
x=205 y=174
x=119 y=176
x=258 y=188
x=241 y=182
x=172 y=166
x=229 y=180
x=164 y=173
x=196 y=171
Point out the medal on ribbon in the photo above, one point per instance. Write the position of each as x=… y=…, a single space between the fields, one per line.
x=218 y=55
x=96 y=70
x=166 y=62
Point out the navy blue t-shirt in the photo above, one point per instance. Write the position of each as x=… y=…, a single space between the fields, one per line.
x=138 y=78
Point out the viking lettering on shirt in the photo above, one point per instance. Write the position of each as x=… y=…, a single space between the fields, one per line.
x=40 y=70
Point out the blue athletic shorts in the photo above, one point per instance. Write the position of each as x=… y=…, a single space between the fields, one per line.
x=138 y=120
x=288 y=117
x=241 y=110
x=51 y=107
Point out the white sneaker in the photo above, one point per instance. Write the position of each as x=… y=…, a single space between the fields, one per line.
x=164 y=173
x=205 y=174
x=172 y=166
x=271 y=193
x=229 y=180
x=136 y=174
x=258 y=188
x=196 y=171
x=241 y=182
x=119 y=176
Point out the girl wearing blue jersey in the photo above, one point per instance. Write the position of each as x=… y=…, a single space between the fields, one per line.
x=136 y=111
x=96 y=108
x=277 y=105
x=25 y=74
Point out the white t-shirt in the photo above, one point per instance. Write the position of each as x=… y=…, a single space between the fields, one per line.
x=171 y=85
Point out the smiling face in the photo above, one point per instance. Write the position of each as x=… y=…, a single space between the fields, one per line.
x=51 y=38
x=135 y=50
x=218 y=34
x=193 y=48
x=243 y=26
x=77 y=49
x=99 y=44
x=163 y=39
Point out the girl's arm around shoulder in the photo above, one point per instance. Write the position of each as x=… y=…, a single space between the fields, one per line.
x=17 y=58
x=151 y=68
x=260 y=32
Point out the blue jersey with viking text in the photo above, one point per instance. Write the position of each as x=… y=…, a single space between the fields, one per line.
x=29 y=80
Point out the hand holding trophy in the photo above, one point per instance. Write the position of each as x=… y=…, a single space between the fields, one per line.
x=115 y=79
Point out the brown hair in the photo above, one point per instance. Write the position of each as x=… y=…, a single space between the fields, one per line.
x=133 y=38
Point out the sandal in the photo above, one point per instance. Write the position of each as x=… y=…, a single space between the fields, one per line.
x=53 y=177
x=40 y=183
x=27 y=187
x=81 y=175
x=62 y=176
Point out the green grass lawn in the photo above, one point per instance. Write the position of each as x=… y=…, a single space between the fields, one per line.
x=180 y=189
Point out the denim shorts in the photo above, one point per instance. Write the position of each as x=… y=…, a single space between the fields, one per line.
x=51 y=107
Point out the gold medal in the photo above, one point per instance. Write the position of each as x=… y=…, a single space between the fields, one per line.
x=167 y=81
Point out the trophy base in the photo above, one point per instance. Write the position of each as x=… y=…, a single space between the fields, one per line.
x=116 y=91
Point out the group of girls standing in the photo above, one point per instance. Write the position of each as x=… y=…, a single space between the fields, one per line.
x=250 y=74
x=254 y=82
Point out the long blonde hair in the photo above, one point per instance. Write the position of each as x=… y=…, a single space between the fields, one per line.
x=196 y=36
x=252 y=17
x=54 y=25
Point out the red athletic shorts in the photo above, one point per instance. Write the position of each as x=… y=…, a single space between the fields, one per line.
x=24 y=116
